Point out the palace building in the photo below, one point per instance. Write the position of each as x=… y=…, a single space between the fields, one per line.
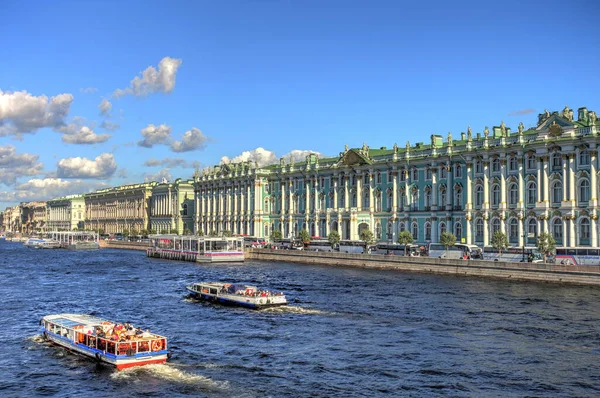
x=523 y=182
x=172 y=207
x=66 y=213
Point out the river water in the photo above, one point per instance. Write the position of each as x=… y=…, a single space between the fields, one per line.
x=347 y=333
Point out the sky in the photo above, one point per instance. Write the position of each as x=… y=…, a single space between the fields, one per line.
x=95 y=94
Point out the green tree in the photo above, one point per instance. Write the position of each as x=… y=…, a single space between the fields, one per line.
x=447 y=239
x=405 y=238
x=212 y=233
x=333 y=238
x=276 y=235
x=125 y=232
x=499 y=241
x=227 y=233
x=367 y=236
x=144 y=233
x=546 y=244
x=100 y=231
x=304 y=237
x=187 y=232
x=151 y=231
x=200 y=233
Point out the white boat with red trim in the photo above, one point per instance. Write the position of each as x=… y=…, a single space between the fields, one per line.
x=119 y=345
x=236 y=294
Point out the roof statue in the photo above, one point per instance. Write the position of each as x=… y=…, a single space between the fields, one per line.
x=546 y=113
x=592 y=117
x=395 y=148
x=567 y=113
x=503 y=128
x=469 y=133
x=346 y=148
x=486 y=131
x=449 y=139
x=291 y=160
x=365 y=149
x=521 y=127
x=407 y=146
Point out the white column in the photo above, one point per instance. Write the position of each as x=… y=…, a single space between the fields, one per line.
x=521 y=202
x=469 y=198
x=346 y=198
x=359 y=202
x=565 y=181
x=486 y=185
x=572 y=177
x=593 y=181
x=539 y=180
x=503 y=185
x=572 y=242
x=546 y=177
x=434 y=187
x=395 y=192
x=450 y=188
x=335 y=193
x=370 y=188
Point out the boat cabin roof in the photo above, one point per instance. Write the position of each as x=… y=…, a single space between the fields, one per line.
x=230 y=286
x=87 y=322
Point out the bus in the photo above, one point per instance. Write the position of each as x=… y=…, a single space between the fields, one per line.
x=353 y=246
x=396 y=249
x=437 y=250
x=577 y=256
x=320 y=245
x=514 y=255
x=473 y=252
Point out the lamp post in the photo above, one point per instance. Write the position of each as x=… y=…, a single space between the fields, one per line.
x=524 y=236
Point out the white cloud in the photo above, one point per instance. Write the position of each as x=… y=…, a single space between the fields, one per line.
x=152 y=80
x=103 y=166
x=164 y=173
x=88 y=90
x=155 y=135
x=13 y=165
x=265 y=157
x=192 y=139
x=110 y=126
x=170 y=162
x=21 y=112
x=48 y=188
x=85 y=135
x=105 y=107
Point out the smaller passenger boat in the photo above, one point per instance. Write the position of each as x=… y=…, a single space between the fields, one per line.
x=120 y=345
x=236 y=294
x=39 y=243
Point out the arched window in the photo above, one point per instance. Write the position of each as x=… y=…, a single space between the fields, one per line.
x=557 y=192
x=479 y=229
x=531 y=193
x=458 y=198
x=584 y=233
x=478 y=195
x=458 y=230
x=427 y=231
x=557 y=230
x=495 y=165
x=390 y=201
x=495 y=225
x=415 y=174
x=378 y=201
x=532 y=228
x=266 y=205
x=415 y=231
x=443 y=197
x=442 y=228
x=584 y=158
x=556 y=161
x=478 y=166
x=444 y=172
x=584 y=191
x=378 y=231
x=415 y=200
x=514 y=230
x=428 y=199
x=513 y=194
x=458 y=171
x=428 y=174
x=185 y=209
x=354 y=199
x=495 y=195
x=531 y=162
x=402 y=227
x=512 y=164
x=366 y=201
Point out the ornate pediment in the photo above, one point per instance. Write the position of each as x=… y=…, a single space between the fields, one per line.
x=555 y=120
x=354 y=157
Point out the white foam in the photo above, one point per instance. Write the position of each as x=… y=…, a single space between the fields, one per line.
x=169 y=373
x=294 y=310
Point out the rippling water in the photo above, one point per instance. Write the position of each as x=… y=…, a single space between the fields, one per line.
x=348 y=333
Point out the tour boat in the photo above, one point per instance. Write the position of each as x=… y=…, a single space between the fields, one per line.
x=236 y=294
x=38 y=243
x=119 y=345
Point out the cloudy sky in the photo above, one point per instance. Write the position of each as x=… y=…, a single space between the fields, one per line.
x=96 y=94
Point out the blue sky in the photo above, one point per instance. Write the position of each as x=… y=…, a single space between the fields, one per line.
x=278 y=75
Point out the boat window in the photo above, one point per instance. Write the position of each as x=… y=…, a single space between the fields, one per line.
x=213 y=290
x=572 y=252
x=593 y=252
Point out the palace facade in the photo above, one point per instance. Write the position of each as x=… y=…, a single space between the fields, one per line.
x=543 y=179
x=33 y=217
x=66 y=213
x=117 y=209
x=172 y=207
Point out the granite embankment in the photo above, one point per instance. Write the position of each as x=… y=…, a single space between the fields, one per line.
x=555 y=273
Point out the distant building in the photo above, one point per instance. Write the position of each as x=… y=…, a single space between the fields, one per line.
x=66 y=213
x=172 y=207
x=117 y=209
x=33 y=217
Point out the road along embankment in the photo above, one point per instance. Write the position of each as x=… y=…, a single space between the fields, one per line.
x=554 y=273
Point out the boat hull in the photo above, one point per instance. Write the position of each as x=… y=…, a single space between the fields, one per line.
x=241 y=301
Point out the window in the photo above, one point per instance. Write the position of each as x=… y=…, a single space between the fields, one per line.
x=495 y=226
x=428 y=199
x=585 y=229
x=390 y=200
x=458 y=230
x=378 y=178
x=556 y=192
x=512 y=164
x=185 y=209
x=458 y=171
x=378 y=231
x=514 y=230
x=415 y=201
x=443 y=172
x=366 y=178
x=479 y=229
x=531 y=193
x=513 y=196
x=532 y=228
x=390 y=177
x=458 y=197
x=495 y=165
x=402 y=227
x=402 y=175
x=584 y=158
x=366 y=201
x=427 y=231
x=531 y=161
x=478 y=167
x=584 y=191
x=415 y=231
x=478 y=195
x=442 y=228
x=378 y=202
x=557 y=230
x=353 y=199
x=556 y=161
x=415 y=175
x=496 y=195
x=443 y=197
x=428 y=174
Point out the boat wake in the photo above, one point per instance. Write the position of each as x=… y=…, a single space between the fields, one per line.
x=38 y=338
x=170 y=373
x=292 y=309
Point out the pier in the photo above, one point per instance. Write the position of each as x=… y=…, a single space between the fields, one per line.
x=196 y=248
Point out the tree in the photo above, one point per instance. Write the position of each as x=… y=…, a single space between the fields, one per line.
x=367 y=236
x=447 y=239
x=125 y=232
x=187 y=232
x=546 y=244
x=151 y=231
x=499 y=241
x=227 y=233
x=304 y=237
x=276 y=235
x=144 y=233
x=333 y=238
x=200 y=233
x=405 y=238
x=212 y=233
